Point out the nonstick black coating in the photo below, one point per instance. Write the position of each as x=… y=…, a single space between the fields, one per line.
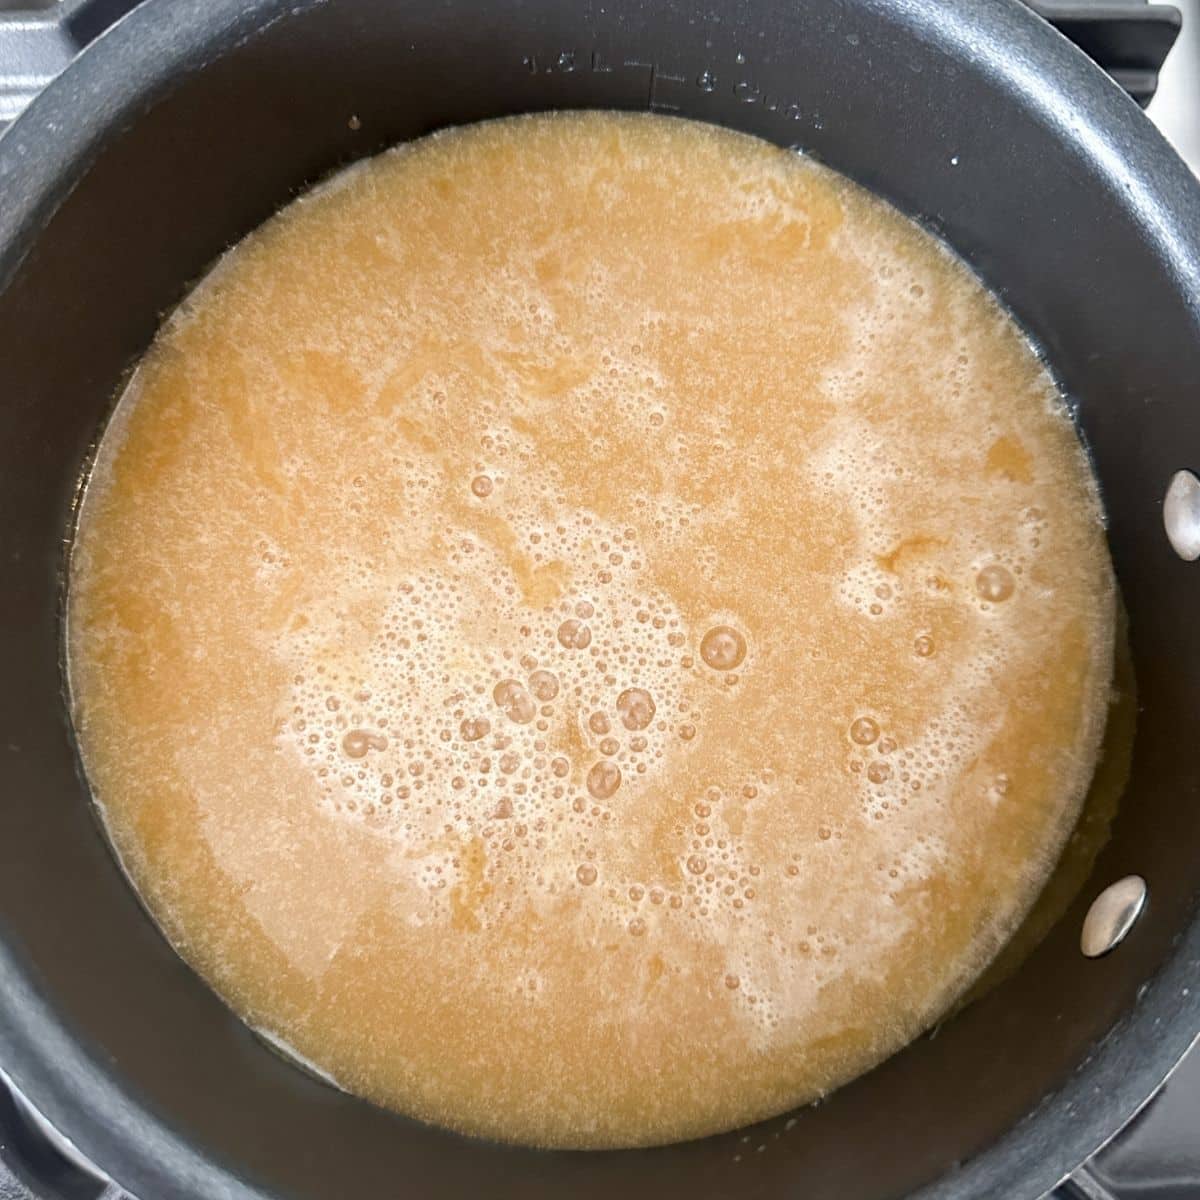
x=191 y=122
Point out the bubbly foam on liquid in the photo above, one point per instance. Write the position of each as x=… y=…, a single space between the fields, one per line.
x=592 y=628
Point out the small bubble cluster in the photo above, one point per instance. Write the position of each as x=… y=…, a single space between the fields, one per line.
x=534 y=726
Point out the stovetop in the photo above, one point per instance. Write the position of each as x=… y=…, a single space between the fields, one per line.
x=1157 y=1156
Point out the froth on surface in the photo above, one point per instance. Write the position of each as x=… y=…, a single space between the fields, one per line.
x=591 y=628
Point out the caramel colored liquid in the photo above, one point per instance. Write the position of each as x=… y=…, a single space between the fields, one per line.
x=591 y=628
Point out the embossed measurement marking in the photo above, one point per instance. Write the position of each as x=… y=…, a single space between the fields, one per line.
x=664 y=90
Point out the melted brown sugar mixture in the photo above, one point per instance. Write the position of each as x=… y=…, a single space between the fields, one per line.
x=592 y=629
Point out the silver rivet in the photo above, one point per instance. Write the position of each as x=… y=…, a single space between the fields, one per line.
x=1112 y=915
x=1181 y=515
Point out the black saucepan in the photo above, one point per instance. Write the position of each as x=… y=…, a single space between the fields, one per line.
x=188 y=124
